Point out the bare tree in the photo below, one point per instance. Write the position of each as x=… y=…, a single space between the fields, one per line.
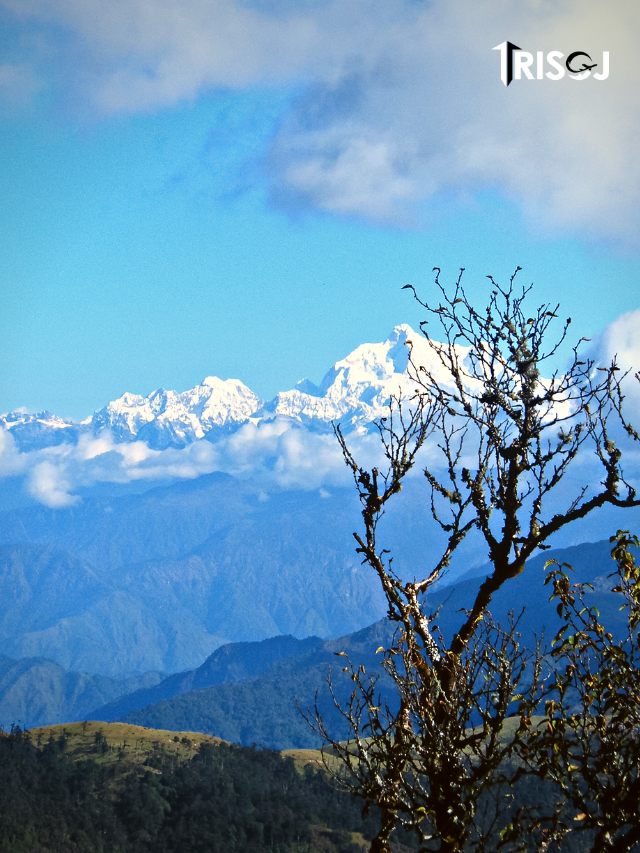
x=506 y=438
x=437 y=763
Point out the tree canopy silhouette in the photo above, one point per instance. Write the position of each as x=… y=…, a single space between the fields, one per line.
x=500 y=436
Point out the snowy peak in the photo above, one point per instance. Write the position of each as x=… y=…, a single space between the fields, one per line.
x=20 y=418
x=370 y=364
x=33 y=431
x=173 y=419
x=354 y=392
x=224 y=401
x=306 y=386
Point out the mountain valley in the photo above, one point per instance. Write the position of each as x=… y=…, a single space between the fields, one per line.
x=252 y=692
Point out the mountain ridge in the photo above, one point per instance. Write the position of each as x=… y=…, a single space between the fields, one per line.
x=354 y=392
x=162 y=579
x=38 y=691
x=247 y=690
x=265 y=708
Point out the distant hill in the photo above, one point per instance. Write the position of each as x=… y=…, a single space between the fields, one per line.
x=36 y=692
x=122 y=584
x=246 y=692
x=228 y=664
x=264 y=709
x=158 y=581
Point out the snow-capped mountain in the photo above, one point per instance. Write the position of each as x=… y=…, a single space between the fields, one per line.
x=354 y=392
x=172 y=419
x=33 y=431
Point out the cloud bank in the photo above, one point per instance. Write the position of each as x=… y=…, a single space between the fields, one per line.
x=276 y=454
x=400 y=103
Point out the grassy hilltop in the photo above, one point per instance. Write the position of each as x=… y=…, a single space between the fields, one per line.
x=132 y=747
x=94 y=787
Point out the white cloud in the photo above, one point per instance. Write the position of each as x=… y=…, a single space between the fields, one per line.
x=425 y=106
x=49 y=485
x=143 y=54
x=356 y=175
x=276 y=454
x=621 y=341
x=401 y=100
x=12 y=462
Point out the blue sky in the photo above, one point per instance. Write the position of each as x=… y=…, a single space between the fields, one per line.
x=242 y=189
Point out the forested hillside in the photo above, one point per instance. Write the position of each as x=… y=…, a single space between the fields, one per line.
x=265 y=709
x=101 y=789
x=119 y=586
x=115 y=788
x=247 y=692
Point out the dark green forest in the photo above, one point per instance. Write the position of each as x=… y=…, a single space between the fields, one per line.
x=223 y=799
